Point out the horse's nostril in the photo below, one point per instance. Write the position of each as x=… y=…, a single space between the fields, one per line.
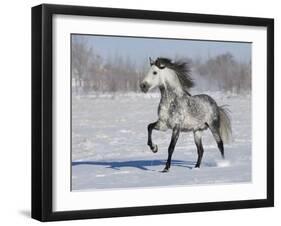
x=143 y=86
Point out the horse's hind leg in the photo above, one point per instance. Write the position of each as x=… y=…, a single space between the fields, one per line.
x=174 y=139
x=200 y=150
x=217 y=136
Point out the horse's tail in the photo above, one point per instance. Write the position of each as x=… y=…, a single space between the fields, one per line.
x=225 y=124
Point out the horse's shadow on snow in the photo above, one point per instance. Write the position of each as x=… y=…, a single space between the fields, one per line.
x=139 y=164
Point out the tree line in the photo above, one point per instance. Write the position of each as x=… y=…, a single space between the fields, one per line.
x=91 y=72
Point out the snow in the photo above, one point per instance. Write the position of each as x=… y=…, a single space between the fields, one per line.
x=109 y=135
x=223 y=163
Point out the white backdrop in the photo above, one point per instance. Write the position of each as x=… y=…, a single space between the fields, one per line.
x=15 y=116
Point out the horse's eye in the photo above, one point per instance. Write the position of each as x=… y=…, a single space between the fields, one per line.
x=154 y=72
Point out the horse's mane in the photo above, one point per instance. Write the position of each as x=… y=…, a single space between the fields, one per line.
x=181 y=68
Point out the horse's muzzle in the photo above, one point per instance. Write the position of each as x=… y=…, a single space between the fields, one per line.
x=144 y=87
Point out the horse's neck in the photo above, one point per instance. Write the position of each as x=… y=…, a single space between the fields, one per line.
x=169 y=95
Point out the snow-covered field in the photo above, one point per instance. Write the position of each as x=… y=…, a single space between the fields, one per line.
x=109 y=135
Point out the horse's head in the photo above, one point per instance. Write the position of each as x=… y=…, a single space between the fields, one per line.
x=155 y=75
x=163 y=72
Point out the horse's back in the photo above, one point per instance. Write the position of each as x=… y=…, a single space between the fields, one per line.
x=204 y=98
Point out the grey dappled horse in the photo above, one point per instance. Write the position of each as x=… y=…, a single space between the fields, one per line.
x=180 y=111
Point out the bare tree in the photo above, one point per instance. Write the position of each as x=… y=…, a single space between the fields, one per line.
x=226 y=73
x=81 y=58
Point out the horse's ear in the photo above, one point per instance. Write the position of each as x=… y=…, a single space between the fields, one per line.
x=151 y=61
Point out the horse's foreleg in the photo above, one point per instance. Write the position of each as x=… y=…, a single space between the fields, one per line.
x=150 y=127
x=200 y=150
x=174 y=139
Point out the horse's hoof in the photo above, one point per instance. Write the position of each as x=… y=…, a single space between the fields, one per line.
x=165 y=170
x=154 y=149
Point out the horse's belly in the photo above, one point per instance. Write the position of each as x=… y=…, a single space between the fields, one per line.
x=190 y=123
x=175 y=120
x=182 y=118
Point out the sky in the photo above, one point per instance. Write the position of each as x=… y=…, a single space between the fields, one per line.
x=139 y=49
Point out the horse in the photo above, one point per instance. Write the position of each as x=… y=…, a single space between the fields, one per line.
x=179 y=111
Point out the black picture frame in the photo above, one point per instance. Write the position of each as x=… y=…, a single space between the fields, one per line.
x=42 y=106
